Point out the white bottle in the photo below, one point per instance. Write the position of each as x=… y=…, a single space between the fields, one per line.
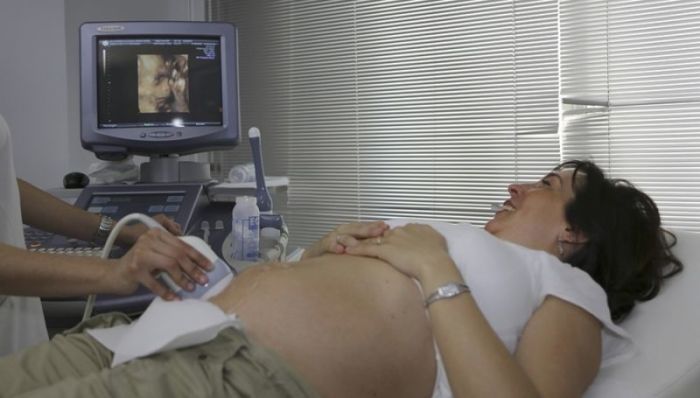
x=245 y=232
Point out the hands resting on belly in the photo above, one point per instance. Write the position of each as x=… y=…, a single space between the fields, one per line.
x=410 y=248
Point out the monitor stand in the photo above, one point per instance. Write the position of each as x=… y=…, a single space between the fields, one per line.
x=169 y=168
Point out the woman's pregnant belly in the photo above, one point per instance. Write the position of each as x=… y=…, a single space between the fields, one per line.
x=349 y=326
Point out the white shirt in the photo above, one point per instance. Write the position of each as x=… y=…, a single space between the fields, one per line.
x=509 y=282
x=21 y=318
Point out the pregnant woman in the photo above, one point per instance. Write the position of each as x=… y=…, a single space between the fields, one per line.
x=524 y=307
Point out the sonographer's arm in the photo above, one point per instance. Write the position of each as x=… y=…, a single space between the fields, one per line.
x=55 y=275
x=52 y=275
x=49 y=213
x=46 y=212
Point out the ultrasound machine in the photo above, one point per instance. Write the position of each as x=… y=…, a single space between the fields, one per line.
x=162 y=90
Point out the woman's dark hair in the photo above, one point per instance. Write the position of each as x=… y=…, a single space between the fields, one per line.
x=627 y=251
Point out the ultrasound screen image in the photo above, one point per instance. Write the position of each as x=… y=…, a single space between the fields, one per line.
x=159 y=81
x=163 y=83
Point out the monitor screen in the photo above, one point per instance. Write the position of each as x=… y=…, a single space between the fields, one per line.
x=154 y=88
x=159 y=81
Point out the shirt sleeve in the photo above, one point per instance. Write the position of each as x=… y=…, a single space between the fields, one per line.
x=577 y=287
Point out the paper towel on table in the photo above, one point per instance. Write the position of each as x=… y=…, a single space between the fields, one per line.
x=166 y=325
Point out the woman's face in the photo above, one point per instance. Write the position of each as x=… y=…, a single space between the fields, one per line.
x=533 y=216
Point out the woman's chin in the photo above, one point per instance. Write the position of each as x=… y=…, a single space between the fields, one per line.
x=491 y=226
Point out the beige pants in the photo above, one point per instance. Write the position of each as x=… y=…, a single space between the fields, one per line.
x=76 y=365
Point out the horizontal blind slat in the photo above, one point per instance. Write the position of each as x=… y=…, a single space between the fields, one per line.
x=398 y=109
x=644 y=60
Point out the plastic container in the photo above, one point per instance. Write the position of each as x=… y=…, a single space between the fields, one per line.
x=245 y=231
x=270 y=249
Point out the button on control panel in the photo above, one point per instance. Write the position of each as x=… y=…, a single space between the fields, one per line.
x=39 y=241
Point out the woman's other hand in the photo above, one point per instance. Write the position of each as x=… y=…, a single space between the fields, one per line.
x=413 y=249
x=345 y=236
x=159 y=251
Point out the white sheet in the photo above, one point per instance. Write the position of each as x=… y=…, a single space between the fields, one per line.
x=168 y=325
x=666 y=331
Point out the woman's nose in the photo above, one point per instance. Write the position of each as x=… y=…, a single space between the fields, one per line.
x=518 y=189
x=515 y=189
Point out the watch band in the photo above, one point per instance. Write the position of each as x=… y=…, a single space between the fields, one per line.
x=100 y=236
x=448 y=290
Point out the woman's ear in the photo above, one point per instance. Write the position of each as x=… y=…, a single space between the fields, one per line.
x=569 y=241
x=573 y=236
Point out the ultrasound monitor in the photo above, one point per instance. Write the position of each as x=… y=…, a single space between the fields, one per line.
x=159 y=89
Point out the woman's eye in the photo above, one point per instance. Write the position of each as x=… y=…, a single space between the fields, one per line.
x=545 y=183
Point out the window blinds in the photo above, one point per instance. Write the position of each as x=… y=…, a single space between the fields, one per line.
x=424 y=109
x=630 y=73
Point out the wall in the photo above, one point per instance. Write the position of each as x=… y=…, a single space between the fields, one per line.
x=39 y=90
x=33 y=87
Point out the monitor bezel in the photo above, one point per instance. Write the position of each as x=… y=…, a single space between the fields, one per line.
x=115 y=143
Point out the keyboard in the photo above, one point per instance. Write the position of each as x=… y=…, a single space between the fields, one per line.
x=39 y=241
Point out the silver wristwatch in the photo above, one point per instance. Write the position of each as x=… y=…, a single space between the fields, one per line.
x=100 y=236
x=447 y=290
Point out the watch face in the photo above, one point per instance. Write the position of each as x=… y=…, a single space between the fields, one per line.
x=450 y=290
x=446 y=291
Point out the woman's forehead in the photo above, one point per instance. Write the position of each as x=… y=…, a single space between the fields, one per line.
x=567 y=176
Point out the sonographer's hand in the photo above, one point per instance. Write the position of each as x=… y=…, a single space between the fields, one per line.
x=159 y=251
x=344 y=236
x=130 y=233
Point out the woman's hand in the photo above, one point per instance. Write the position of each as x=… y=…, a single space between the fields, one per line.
x=413 y=249
x=130 y=233
x=159 y=251
x=345 y=236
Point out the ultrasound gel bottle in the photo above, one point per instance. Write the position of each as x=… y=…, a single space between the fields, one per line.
x=245 y=232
